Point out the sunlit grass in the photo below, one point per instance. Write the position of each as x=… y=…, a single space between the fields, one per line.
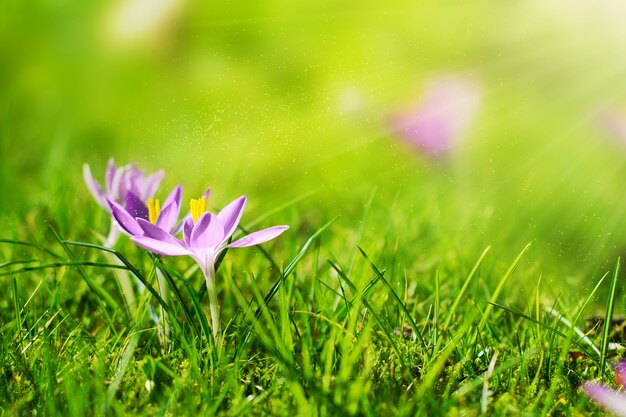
x=358 y=324
x=405 y=285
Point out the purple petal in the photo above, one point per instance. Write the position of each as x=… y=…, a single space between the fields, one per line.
x=116 y=186
x=167 y=217
x=207 y=193
x=155 y=232
x=231 y=215
x=187 y=229
x=259 y=236
x=610 y=399
x=160 y=247
x=94 y=187
x=125 y=220
x=132 y=181
x=181 y=224
x=110 y=174
x=175 y=196
x=151 y=184
x=135 y=206
x=208 y=232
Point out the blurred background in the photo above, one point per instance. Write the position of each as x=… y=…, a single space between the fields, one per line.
x=479 y=122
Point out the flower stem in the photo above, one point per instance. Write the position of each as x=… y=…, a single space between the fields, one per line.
x=214 y=306
x=112 y=237
x=125 y=284
x=163 y=324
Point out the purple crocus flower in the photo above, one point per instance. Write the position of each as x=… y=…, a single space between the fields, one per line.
x=440 y=119
x=205 y=236
x=120 y=182
x=135 y=209
x=128 y=216
x=609 y=398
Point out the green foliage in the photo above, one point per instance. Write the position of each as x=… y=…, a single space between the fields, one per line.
x=322 y=343
x=421 y=297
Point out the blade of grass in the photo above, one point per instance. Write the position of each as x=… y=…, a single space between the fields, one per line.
x=470 y=385
x=361 y=231
x=18 y=316
x=294 y=262
x=608 y=316
x=122 y=365
x=343 y=311
x=167 y=272
x=18 y=262
x=548 y=328
x=32 y=245
x=199 y=312
x=457 y=300
x=572 y=328
x=436 y=315
x=290 y=268
x=61 y=264
x=342 y=295
x=500 y=286
x=588 y=299
x=395 y=297
x=437 y=367
x=101 y=295
x=362 y=297
x=170 y=312
x=130 y=267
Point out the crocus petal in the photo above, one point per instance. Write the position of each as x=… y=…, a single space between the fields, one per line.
x=152 y=183
x=230 y=216
x=155 y=232
x=258 y=237
x=208 y=232
x=110 y=174
x=181 y=224
x=606 y=397
x=187 y=229
x=94 y=187
x=207 y=193
x=167 y=217
x=160 y=247
x=125 y=220
x=175 y=196
x=114 y=192
x=135 y=206
x=132 y=181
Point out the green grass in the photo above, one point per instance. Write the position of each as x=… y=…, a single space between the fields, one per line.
x=481 y=284
x=314 y=323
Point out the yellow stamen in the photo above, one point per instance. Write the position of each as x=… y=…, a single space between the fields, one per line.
x=197 y=207
x=154 y=209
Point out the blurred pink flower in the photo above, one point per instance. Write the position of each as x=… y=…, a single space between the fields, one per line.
x=441 y=118
x=613 y=400
x=613 y=122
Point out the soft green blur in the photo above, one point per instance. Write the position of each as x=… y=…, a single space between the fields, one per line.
x=278 y=98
